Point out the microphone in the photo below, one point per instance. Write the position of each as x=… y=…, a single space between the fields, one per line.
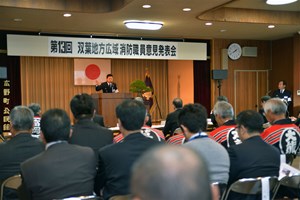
x=268 y=92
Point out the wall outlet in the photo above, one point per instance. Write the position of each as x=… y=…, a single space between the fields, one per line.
x=298 y=92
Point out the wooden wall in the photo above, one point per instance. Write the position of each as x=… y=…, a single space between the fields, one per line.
x=296 y=73
x=261 y=62
x=180 y=81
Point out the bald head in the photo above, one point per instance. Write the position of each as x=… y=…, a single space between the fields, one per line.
x=168 y=173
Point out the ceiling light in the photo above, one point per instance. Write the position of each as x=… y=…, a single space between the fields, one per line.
x=144 y=25
x=146 y=6
x=67 y=15
x=271 y=26
x=187 y=9
x=208 y=23
x=223 y=30
x=280 y=2
x=18 y=20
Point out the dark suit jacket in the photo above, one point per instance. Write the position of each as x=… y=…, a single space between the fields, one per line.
x=13 y=153
x=117 y=159
x=98 y=119
x=285 y=95
x=63 y=170
x=251 y=159
x=17 y=150
x=171 y=122
x=88 y=133
x=105 y=88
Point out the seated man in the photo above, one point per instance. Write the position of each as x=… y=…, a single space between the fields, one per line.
x=147 y=131
x=170 y=173
x=20 y=147
x=225 y=134
x=253 y=157
x=282 y=133
x=172 y=119
x=36 y=109
x=85 y=131
x=193 y=121
x=116 y=160
x=63 y=170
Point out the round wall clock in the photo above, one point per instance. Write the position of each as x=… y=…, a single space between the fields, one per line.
x=234 y=51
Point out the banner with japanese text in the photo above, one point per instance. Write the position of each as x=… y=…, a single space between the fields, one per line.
x=25 y=45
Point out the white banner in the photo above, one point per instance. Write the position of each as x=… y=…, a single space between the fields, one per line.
x=24 y=45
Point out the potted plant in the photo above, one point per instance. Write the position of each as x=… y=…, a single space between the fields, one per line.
x=139 y=87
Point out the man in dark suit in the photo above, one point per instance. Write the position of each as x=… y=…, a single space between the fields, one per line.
x=172 y=119
x=63 y=170
x=21 y=147
x=116 y=160
x=253 y=157
x=85 y=131
x=108 y=86
x=282 y=93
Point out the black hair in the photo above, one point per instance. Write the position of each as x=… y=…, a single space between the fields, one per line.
x=82 y=106
x=132 y=114
x=55 y=125
x=194 y=117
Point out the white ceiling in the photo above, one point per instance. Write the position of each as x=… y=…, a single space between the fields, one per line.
x=105 y=18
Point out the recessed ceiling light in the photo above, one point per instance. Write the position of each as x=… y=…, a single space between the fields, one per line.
x=208 y=23
x=144 y=25
x=280 y=2
x=271 y=26
x=18 y=20
x=187 y=9
x=146 y=6
x=67 y=15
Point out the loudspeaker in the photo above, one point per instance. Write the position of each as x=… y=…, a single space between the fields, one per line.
x=249 y=51
x=219 y=74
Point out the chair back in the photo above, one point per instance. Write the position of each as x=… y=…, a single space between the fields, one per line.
x=253 y=186
x=121 y=197
x=91 y=197
x=12 y=182
x=292 y=181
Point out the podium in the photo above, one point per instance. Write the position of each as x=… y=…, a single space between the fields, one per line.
x=106 y=104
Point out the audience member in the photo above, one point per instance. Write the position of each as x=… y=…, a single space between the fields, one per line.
x=36 y=109
x=172 y=118
x=149 y=121
x=193 y=121
x=85 y=131
x=253 y=157
x=261 y=111
x=282 y=133
x=147 y=131
x=225 y=134
x=177 y=139
x=20 y=147
x=212 y=116
x=116 y=160
x=169 y=173
x=63 y=170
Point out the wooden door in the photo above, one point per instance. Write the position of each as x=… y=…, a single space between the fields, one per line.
x=249 y=87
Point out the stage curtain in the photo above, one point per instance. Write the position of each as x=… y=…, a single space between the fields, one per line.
x=50 y=81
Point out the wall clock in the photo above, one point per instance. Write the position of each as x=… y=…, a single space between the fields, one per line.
x=234 y=51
